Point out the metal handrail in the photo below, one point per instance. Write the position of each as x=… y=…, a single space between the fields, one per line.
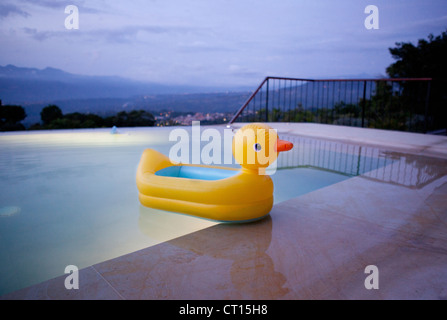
x=407 y=104
x=248 y=101
x=266 y=79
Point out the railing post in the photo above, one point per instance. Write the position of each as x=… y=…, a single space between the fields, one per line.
x=427 y=98
x=363 y=103
x=267 y=102
x=247 y=102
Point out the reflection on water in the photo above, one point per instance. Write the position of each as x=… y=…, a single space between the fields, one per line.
x=412 y=171
x=409 y=171
x=252 y=270
x=339 y=157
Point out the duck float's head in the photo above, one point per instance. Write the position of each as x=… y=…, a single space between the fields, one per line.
x=256 y=146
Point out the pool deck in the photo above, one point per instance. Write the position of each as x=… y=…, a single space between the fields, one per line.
x=316 y=246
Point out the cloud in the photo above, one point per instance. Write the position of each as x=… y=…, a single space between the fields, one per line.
x=47 y=3
x=60 y=5
x=201 y=46
x=52 y=4
x=40 y=35
x=125 y=34
x=8 y=9
x=237 y=70
x=128 y=33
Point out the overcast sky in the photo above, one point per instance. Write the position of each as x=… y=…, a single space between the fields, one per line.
x=216 y=42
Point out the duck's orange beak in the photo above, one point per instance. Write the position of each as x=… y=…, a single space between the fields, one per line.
x=283 y=145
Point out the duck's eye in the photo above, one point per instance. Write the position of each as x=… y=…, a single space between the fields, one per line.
x=257 y=147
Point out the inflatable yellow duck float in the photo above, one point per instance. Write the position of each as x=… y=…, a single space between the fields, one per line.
x=212 y=192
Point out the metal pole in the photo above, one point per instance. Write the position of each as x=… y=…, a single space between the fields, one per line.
x=427 y=98
x=247 y=102
x=267 y=103
x=363 y=104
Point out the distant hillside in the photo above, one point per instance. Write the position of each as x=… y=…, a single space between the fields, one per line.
x=30 y=85
x=35 y=88
x=194 y=102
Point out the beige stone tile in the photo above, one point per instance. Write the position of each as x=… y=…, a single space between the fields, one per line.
x=91 y=287
x=215 y=263
x=405 y=273
x=162 y=272
x=323 y=256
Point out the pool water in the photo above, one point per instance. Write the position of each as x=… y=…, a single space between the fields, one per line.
x=70 y=198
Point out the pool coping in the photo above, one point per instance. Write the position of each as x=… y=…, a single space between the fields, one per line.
x=390 y=140
x=100 y=280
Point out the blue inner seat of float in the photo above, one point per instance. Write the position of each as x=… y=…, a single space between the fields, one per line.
x=199 y=173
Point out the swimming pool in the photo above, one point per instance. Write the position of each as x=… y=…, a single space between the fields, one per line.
x=70 y=198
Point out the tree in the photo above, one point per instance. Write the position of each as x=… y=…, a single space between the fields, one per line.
x=135 y=118
x=12 y=113
x=426 y=59
x=50 y=113
x=10 y=116
x=81 y=120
